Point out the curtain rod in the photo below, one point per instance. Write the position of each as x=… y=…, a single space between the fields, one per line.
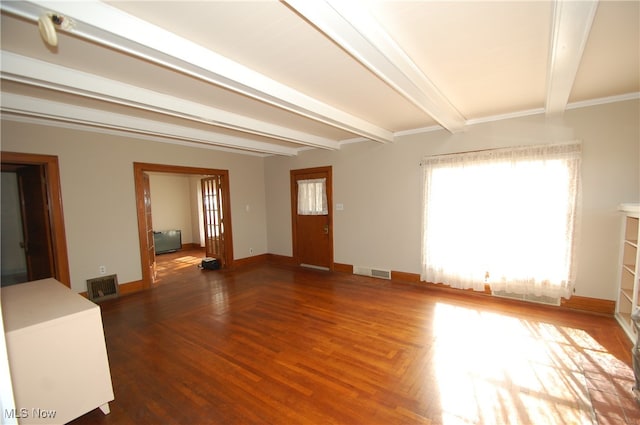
x=498 y=149
x=460 y=153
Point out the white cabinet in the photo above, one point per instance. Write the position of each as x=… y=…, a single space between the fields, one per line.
x=57 y=353
x=628 y=276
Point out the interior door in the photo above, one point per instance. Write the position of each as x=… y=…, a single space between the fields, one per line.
x=35 y=222
x=312 y=221
x=213 y=215
x=151 y=249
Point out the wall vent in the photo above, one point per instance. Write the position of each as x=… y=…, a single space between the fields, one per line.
x=102 y=288
x=540 y=299
x=371 y=272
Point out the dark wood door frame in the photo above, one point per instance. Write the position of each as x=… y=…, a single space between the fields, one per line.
x=139 y=168
x=54 y=200
x=294 y=208
x=150 y=254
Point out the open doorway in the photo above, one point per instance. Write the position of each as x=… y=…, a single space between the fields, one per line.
x=178 y=225
x=36 y=246
x=219 y=230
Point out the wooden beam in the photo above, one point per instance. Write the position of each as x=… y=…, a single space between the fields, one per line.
x=108 y=26
x=570 y=31
x=170 y=133
x=354 y=29
x=38 y=73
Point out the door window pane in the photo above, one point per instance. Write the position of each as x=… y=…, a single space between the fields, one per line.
x=312 y=197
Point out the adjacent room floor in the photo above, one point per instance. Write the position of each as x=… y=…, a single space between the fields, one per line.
x=284 y=345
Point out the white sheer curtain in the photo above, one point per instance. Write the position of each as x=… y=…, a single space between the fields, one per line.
x=312 y=197
x=504 y=217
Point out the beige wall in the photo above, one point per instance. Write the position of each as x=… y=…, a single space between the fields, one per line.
x=96 y=172
x=197 y=225
x=379 y=186
x=171 y=205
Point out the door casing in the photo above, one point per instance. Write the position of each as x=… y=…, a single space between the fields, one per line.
x=139 y=168
x=150 y=253
x=53 y=193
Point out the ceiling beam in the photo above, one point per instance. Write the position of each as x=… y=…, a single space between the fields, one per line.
x=353 y=28
x=9 y=116
x=44 y=74
x=571 y=26
x=63 y=112
x=109 y=26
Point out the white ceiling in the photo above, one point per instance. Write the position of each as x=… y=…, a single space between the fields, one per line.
x=274 y=77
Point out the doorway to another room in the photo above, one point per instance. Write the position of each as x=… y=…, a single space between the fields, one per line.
x=205 y=232
x=33 y=237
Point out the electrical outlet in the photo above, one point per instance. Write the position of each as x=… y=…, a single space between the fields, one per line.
x=102 y=269
x=250 y=250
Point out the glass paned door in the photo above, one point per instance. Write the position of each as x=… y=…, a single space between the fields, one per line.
x=212 y=204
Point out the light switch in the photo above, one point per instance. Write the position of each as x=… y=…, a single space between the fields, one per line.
x=339 y=207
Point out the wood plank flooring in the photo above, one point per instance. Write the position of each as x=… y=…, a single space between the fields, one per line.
x=271 y=344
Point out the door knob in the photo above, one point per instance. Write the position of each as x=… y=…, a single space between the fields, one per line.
x=326 y=229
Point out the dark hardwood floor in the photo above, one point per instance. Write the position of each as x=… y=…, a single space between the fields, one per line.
x=272 y=344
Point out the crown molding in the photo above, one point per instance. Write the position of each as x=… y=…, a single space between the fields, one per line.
x=508 y=116
x=512 y=115
x=45 y=120
x=572 y=105
x=603 y=100
x=419 y=130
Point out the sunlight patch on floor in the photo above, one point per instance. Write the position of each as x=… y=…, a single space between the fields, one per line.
x=188 y=259
x=175 y=264
x=492 y=368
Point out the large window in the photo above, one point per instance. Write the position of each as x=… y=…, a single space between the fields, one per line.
x=502 y=217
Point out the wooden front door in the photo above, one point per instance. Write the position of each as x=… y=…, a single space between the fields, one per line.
x=312 y=218
x=36 y=226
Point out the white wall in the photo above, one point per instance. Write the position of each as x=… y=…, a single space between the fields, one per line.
x=379 y=186
x=96 y=173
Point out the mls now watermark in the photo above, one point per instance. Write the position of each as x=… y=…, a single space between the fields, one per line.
x=24 y=413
